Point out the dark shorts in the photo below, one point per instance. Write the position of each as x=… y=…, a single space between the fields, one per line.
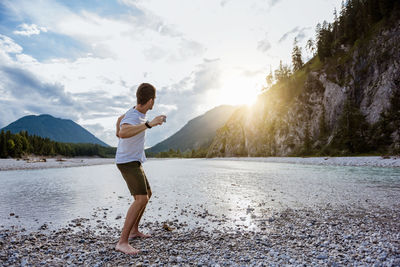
x=135 y=177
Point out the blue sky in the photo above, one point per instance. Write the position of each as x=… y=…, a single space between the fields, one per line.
x=83 y=60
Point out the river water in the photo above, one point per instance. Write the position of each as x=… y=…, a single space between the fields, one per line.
x=192 y=191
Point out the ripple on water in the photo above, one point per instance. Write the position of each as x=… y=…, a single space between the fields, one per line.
x=196 y=192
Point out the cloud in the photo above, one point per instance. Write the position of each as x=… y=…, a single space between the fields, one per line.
x=250 y=73
x=273 y=2
x=7 y=45
x=95 y=127
x=8 y=115
x=108 y=36
x=155 y=53
x=28 y=30
x=224 y=2
x=24 y=92
x=22 y=83
x=207 y=76
x=270 y=3
x=184 y=100
x=187 y=49
x=27 y=94
x=167 y=108
x=300 y=34
x=264 y=45
x=101 y=132
x=286 y=34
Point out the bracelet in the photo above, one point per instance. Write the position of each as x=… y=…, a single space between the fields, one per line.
x=147 y=124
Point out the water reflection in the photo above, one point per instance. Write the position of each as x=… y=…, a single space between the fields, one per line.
x=195 y=191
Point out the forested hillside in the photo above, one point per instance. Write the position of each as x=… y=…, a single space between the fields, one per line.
x=20 y=144
x=57 y=129
x=344 y=101
x=195 y=136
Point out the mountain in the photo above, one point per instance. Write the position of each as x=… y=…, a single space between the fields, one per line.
x=197 y=133
x=60 y=130
x=344 y=101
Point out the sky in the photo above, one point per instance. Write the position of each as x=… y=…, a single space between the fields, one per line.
x=83 y=60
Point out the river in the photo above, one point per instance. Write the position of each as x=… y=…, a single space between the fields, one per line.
x=192 y=191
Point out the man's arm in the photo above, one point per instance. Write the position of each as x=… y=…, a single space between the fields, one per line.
x=129 y=130
x=117 y=126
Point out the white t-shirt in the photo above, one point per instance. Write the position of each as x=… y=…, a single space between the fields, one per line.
x=132 y=148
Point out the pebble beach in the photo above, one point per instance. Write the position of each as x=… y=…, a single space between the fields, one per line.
x=321 y=237
x=344 y=222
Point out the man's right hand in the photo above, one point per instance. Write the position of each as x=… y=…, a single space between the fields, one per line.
x=157 y=120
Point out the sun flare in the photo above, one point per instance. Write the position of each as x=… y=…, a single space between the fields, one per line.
x=241 y=91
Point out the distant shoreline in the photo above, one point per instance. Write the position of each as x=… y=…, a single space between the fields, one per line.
x=370 y=161
x=35 y=163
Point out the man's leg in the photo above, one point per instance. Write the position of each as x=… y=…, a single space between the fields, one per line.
x=135 y=228
x=131 y=217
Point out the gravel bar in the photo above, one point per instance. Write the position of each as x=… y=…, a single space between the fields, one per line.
x=371 y=161
x=295 y=237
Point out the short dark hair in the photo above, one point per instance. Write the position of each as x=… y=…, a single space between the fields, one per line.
x=144 y=93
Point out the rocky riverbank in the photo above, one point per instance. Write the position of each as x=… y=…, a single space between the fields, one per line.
x=45 y=163
x=320 y=236
x=373 y=161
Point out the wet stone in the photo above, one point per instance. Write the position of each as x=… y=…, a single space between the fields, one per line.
x=287 y=241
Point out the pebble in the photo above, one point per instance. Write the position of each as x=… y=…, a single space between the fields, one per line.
x=322 y=257
x=288 y=241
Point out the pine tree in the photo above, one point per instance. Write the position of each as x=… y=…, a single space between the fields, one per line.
x=374 y=11
x=270 y=78
x=10 y=147
x=317 y=32
x=310 y=47
x=18 y=145
x=335 y=25
x=283 y=72
x=325 y=40
x=385 y=6
x=296 y=56
x=352 y=130
x=3 y=145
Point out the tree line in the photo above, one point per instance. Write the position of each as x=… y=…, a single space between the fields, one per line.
x=355 y=20
x=171 y=153
x=21 y=144
x=352 y=26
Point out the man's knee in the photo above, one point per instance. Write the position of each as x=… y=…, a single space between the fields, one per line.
x=149 y=193
x=141 y=199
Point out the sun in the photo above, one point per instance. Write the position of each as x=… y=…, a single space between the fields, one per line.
x=240 y=91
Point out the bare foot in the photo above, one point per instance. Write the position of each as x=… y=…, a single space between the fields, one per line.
x=138 y=234
x=126 y=248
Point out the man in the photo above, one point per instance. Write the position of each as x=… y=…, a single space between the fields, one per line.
x=129 y=158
